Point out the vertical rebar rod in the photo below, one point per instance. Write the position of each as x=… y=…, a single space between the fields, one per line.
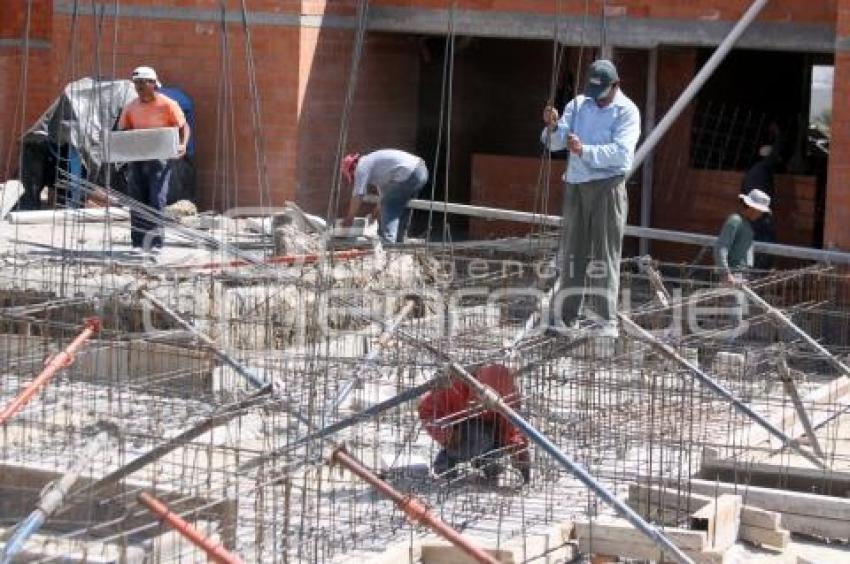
x=493 y=401
x=782 y=319
x=641 y=333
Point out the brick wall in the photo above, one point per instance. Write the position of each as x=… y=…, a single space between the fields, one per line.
x=13 y=17
x=190 y=55
x=837 y=214
x=512 y=183
x=302 y=75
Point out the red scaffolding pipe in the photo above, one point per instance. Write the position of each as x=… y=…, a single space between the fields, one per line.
x=287 y=260
x=216 y=552
x=412 y=507
x=62 y=360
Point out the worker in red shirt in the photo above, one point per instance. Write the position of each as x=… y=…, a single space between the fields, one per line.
x=467 y=432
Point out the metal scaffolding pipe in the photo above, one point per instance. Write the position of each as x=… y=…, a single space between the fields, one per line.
x=777 y=315
x=215 y=552
x=641 y=333
x=220 y=417
x=791 y=389
x=62 y=360
x=690 y=92
x=683 y=237
x=240 y=369
x=282 y=260
x=395 y=401
x=415 y=511
x=53 y=498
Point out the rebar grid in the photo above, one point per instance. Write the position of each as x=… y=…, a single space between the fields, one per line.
x=617 y=407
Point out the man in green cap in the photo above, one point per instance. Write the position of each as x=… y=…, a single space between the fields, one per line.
x=601 y=129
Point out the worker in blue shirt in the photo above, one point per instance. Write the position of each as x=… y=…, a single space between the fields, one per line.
x=600 y=128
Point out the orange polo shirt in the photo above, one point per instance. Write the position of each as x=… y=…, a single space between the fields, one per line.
x=161 y=112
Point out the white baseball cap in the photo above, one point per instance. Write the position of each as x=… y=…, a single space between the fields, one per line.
x=146 y=73
x=757 y=199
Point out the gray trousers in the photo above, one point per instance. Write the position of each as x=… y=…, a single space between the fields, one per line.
x=591 y=245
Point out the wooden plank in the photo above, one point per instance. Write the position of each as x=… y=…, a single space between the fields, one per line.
x=770 y=537
x=816 y=526
x=721 y=519
x=782 y=501
x=543 y=547
x=761 y=518
x=668 y=498
x=642 y=550
x=620 y=530
x=644 y=497
x=766 y=474
x=444 y=553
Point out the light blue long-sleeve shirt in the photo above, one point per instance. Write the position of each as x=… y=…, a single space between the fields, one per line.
x=608 y=136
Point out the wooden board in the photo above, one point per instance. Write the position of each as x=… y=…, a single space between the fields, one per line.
x=783 y=501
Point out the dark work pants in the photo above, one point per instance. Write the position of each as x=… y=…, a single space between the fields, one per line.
x=475 y=440
x=147 y=182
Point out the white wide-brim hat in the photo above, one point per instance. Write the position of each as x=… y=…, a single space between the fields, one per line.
x=757 y=199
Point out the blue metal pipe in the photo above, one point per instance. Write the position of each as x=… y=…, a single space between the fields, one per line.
x=54 y=496
x=24 y=531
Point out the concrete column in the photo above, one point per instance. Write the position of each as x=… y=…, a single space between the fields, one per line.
x=837 y=213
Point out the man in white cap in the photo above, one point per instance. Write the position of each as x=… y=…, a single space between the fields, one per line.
x=733 y=249
x=148 y=181
x=601 y=129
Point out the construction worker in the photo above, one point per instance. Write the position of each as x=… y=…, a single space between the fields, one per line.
x=398 y=176
x=467 y=432
x=600 y=129
x=733 y=249
x=148 y=181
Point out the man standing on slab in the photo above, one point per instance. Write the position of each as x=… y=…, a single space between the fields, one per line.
x=600 y=129
x=148 y=181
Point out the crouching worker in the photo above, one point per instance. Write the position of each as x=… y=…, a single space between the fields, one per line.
x=467 y=432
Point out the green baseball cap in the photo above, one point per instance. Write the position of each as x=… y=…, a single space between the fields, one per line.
x=600 y=76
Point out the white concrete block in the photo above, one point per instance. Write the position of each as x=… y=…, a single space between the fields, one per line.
x=10 y=192
x=141 y=145
x=70 y=215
